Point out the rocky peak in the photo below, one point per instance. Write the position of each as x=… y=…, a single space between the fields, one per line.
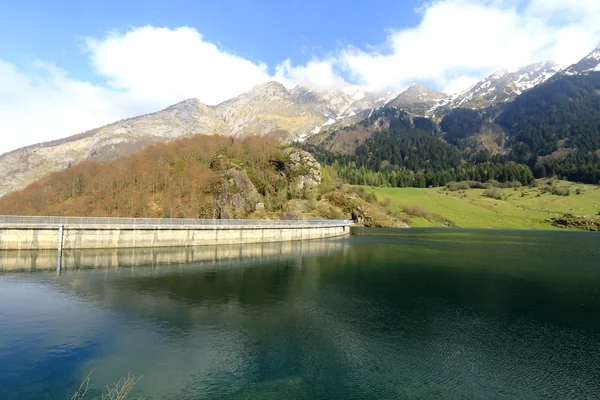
x=418 y=92
x=270 y=91
x=590 y=63
x=418 y=99
x=187 y=104
x=305 y=95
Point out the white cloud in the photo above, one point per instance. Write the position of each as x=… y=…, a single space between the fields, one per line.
x=474 y=38
x=457 y=85
x=146 y=69
x=172 y=65
x=45 y=104
x=319 y=74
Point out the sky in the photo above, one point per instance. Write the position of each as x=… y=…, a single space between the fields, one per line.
x=67 y=66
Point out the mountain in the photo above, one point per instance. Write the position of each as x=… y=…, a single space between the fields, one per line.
x=395 y=148
x=419 y=100
x=562 y=115
x=336 y=105
x=345 y=136
x=23 y=166
x=547 y=123
x=590 y=63
x=503 y=86
x=340 y=119
x=268 y=109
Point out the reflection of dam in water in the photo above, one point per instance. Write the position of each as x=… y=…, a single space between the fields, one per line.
x=37 y=260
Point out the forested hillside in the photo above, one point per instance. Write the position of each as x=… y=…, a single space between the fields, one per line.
x=409 y=152
x=563 y=113
x=550 y=130
x=173 y=180
x=203 y=177
x=555 y=128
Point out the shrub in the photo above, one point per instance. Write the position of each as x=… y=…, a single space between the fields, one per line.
x=578 y=191
x=561 y=191
x=371 y=198
x=513 y=184
x=417 y=211
x=454 y=186
x=477 y=185
x=400 y=216
x=494 y=193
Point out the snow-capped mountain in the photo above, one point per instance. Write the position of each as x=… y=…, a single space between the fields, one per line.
x=590 y=63
x=504 y=86
x=419 y=100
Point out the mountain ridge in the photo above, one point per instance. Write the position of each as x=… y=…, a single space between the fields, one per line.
x=268 y=109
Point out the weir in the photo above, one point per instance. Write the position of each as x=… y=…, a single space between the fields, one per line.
x=40 y=233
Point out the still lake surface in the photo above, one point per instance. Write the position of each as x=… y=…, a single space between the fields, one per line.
x=383 y=314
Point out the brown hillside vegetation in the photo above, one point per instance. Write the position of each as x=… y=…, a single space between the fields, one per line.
x=167 y=180
x=202 y=177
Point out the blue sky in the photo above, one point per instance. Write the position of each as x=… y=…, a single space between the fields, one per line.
x=68 y=66
x=268 y=31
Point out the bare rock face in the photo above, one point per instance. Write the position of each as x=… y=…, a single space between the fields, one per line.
x=303 y=171
x=235 y=194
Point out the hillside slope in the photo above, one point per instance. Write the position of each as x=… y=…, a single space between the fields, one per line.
x=521 y=208
x=200 y=177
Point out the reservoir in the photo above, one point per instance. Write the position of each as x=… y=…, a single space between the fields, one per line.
x=381 y=314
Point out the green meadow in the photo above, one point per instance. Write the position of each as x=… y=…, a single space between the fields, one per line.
x=518 y=208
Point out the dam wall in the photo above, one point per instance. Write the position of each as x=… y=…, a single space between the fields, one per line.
x=64 y=233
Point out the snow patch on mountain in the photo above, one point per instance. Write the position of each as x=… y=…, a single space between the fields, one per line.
x=503 y=86
x=590 y=63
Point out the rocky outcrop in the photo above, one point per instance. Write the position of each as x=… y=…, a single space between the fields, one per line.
x=362 y=212
x=237 y=196
x=299 y=181
x=302 y=170
x=570 y=221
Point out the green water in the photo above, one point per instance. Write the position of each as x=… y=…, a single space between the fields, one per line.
x=384 y=314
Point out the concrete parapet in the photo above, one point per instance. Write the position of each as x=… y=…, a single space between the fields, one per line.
x=46 y=237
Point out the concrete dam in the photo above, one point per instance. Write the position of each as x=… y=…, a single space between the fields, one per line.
x=71 y=233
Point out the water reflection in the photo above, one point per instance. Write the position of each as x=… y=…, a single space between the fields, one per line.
x=40 y=260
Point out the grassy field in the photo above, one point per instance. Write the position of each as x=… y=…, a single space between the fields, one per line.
x=521 y=208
